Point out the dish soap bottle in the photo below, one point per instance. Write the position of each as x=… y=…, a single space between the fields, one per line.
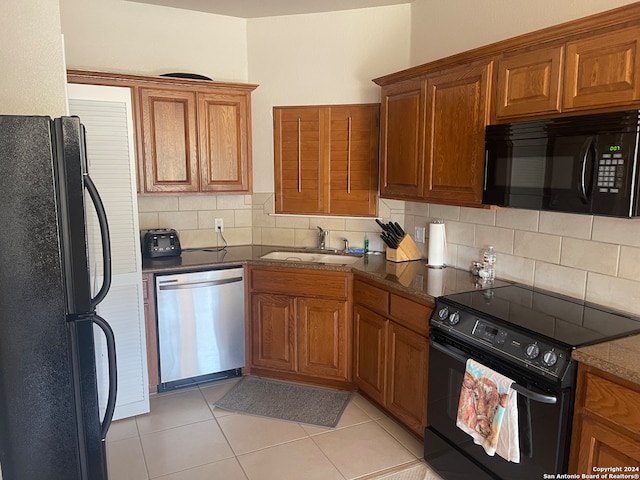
x=488 y=264
x=366 y=244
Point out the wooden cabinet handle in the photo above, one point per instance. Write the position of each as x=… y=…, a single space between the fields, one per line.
x=299 y=158
x=349 y=155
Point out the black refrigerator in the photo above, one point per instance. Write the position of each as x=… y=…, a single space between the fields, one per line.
x=50 y=425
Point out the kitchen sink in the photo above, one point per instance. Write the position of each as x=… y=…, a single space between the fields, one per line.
x=313 y=257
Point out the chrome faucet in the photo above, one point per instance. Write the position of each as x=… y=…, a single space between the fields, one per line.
x=346 y=245
x=322 y=238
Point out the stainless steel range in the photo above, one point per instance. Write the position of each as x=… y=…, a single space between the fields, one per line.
x=528 y=336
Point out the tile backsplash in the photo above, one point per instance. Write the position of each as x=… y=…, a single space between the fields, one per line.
x=591 y=258
x=250 y=219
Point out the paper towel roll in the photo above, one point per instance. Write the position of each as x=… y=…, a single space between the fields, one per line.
x=437 y=251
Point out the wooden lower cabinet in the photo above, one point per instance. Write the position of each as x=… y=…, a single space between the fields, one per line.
x=370 y=352
x=273 y=332
x=322 y=330
x=407 y=377
x=305 y=335
x=391 y=352
x=149 y=297
x=606 y=424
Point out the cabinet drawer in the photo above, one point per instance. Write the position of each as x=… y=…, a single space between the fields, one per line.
x=301 y=282
x=375 y=298
x=410 y=314
x=614 y=402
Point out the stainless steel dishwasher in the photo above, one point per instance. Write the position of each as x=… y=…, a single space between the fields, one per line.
x=200 y=326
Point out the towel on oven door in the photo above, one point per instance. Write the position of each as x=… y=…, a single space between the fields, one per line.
x=488 y=411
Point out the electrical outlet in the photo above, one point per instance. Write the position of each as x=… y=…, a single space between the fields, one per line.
x=419 y=234
x=219 y=225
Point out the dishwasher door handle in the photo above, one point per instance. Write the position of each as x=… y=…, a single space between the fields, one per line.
x=170 y=285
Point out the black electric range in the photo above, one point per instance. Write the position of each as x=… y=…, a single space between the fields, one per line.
x=527 y=335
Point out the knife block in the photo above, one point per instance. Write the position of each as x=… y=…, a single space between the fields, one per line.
x=407 y=250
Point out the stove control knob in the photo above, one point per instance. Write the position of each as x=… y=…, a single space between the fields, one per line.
x=454 y=318
x=531 y=351
x=549 y=358
x=443 y=313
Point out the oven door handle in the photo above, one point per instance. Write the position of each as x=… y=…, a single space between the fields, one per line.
x=525 y=392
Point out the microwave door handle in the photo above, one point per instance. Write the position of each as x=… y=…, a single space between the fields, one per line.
x=586 y=148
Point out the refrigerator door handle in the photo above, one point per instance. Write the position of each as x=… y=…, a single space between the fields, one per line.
x=113 y=372
x=106 y=244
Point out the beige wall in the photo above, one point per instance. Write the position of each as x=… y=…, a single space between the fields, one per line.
x=319 y=59
x=32 y=60
x=129 y=37
x=440 y=28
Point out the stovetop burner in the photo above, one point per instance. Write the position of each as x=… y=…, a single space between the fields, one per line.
x=569 y=321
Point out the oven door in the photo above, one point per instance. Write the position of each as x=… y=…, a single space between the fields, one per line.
x=544 y=420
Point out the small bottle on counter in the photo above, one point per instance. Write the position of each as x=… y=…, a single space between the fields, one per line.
x=488 y=264
x=366 y=244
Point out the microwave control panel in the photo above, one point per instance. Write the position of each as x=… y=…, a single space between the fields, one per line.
x=610 y=173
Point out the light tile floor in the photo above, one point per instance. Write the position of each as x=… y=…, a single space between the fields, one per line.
x=186 y=438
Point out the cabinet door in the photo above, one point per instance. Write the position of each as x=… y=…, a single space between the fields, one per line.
x=529 y=82
x=370 y=352
x=224 y=150
x=603 y=70
x=353 y=159
x=273 y=332
x=407 y=377
x=168 y=130
x=458 y=102
x=323 y=338
x=300 y=178
x=600 y=446
x=402 y=139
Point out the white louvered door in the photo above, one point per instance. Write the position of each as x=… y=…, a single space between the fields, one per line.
x=107 y=116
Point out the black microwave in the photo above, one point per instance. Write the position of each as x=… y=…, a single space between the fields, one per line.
x=584 y=164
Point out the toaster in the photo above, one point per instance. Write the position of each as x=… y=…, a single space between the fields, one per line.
x=160 y=242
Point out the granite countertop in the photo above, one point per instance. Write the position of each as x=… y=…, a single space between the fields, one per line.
x=619 y=357
x=413 y=278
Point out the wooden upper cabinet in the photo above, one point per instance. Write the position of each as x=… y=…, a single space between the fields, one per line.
x=529 y=82
x=194 y=139
x=224 y=133
x=299 y=172
x=168 y=139
x=353 y=159
x=603 y=70
x=326 y=159
x=458 y=106
x=192 y=136
x=402 y=139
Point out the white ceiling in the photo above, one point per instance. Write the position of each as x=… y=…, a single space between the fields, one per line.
x=270 y=8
